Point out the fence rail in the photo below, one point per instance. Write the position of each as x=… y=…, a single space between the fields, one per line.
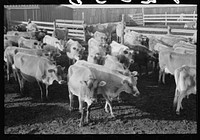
x=163 y=18
x=75 y=27
x=162 y=31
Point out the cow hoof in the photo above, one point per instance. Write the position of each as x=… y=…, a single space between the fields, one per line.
x=80 y=124
x=177 y=113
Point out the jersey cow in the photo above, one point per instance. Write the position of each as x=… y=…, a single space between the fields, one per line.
x=29 y=43
x=185 y=78
x=169 y=61
x=60 y=33
x=33 y=68
x=59 y=44
x=83 y=83
x=11 y=50
x=74 y=50
x=115 y=82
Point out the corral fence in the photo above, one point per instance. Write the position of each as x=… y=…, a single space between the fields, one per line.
x=75 y=27
x=166 y=19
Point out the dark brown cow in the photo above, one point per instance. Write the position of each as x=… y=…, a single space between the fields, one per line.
x=60 y=33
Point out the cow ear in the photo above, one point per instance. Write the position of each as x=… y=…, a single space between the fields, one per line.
x=102 y=83
x=63 y=68
x=134 y=73
x=51 y=70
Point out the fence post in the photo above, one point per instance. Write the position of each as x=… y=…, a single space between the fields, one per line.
x=194 y=16
x=165 y=18
x=83 y=16
x=9 y=19
x=122 y=32
x=54 y=24
x=143 y=21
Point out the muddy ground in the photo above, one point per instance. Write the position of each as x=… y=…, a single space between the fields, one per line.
x=150 y=113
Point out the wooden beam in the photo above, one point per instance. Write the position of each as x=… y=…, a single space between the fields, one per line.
x=122 y=32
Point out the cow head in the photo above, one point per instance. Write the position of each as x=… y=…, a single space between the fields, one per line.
x=101 y=38
x=55 y=73
x=130 y=84
x=49 y=51
x=90 y=87
x=74 y=49
x=126 y=59
x=59 y=45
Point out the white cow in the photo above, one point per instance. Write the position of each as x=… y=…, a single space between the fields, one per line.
x=185 y=78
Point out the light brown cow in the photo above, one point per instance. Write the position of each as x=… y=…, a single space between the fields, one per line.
x=32 y=68
x=82 y=83
x=185 y=78
x=115 y=82
x=29 y=43
x=170 y=60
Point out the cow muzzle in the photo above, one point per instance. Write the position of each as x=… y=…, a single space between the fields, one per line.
x=62 y=82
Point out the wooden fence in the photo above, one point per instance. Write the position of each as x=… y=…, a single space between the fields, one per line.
x=75 y=27
x=162 y=31
x=165 y=19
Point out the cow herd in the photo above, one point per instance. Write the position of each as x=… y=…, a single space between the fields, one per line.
x=104 y=67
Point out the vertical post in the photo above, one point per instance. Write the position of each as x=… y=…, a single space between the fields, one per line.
x=122 y=32
x=165 y=18
x=83 y=16
x=9 y=19
x=143 y=21
x=194 y=16
x=54 y=24
x=25 y=15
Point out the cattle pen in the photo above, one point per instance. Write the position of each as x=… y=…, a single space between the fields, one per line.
x=151 y=112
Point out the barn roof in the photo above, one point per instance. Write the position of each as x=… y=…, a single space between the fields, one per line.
x=125 y=6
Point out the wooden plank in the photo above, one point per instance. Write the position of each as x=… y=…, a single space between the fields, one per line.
x=78 y=35
x=169 y=15
x=70 y=25
x=70 y=21
x=154 y=21
x=46 y=23
x=76 y=31
x=43 y=27
x=149 y=18
x=161 y=29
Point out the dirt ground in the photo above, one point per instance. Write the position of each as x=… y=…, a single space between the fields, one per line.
x=150 y=113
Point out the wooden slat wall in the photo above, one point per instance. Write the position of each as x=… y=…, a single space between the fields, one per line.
x=49 y=13
x=170 y=10
x=97 y=15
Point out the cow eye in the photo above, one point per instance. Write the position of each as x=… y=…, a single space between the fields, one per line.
x=74 y=48
x=125 y=52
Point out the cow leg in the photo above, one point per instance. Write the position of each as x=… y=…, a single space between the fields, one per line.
x=175 y=98
x=82 y=112
x=106 y=107
x=163 y=77
x=111 y=111
x=41 y=89
x=47 y=97
x=8 y=73
x=179 y=105
x=71 y=100
x=160 y=74
x=88 y=113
